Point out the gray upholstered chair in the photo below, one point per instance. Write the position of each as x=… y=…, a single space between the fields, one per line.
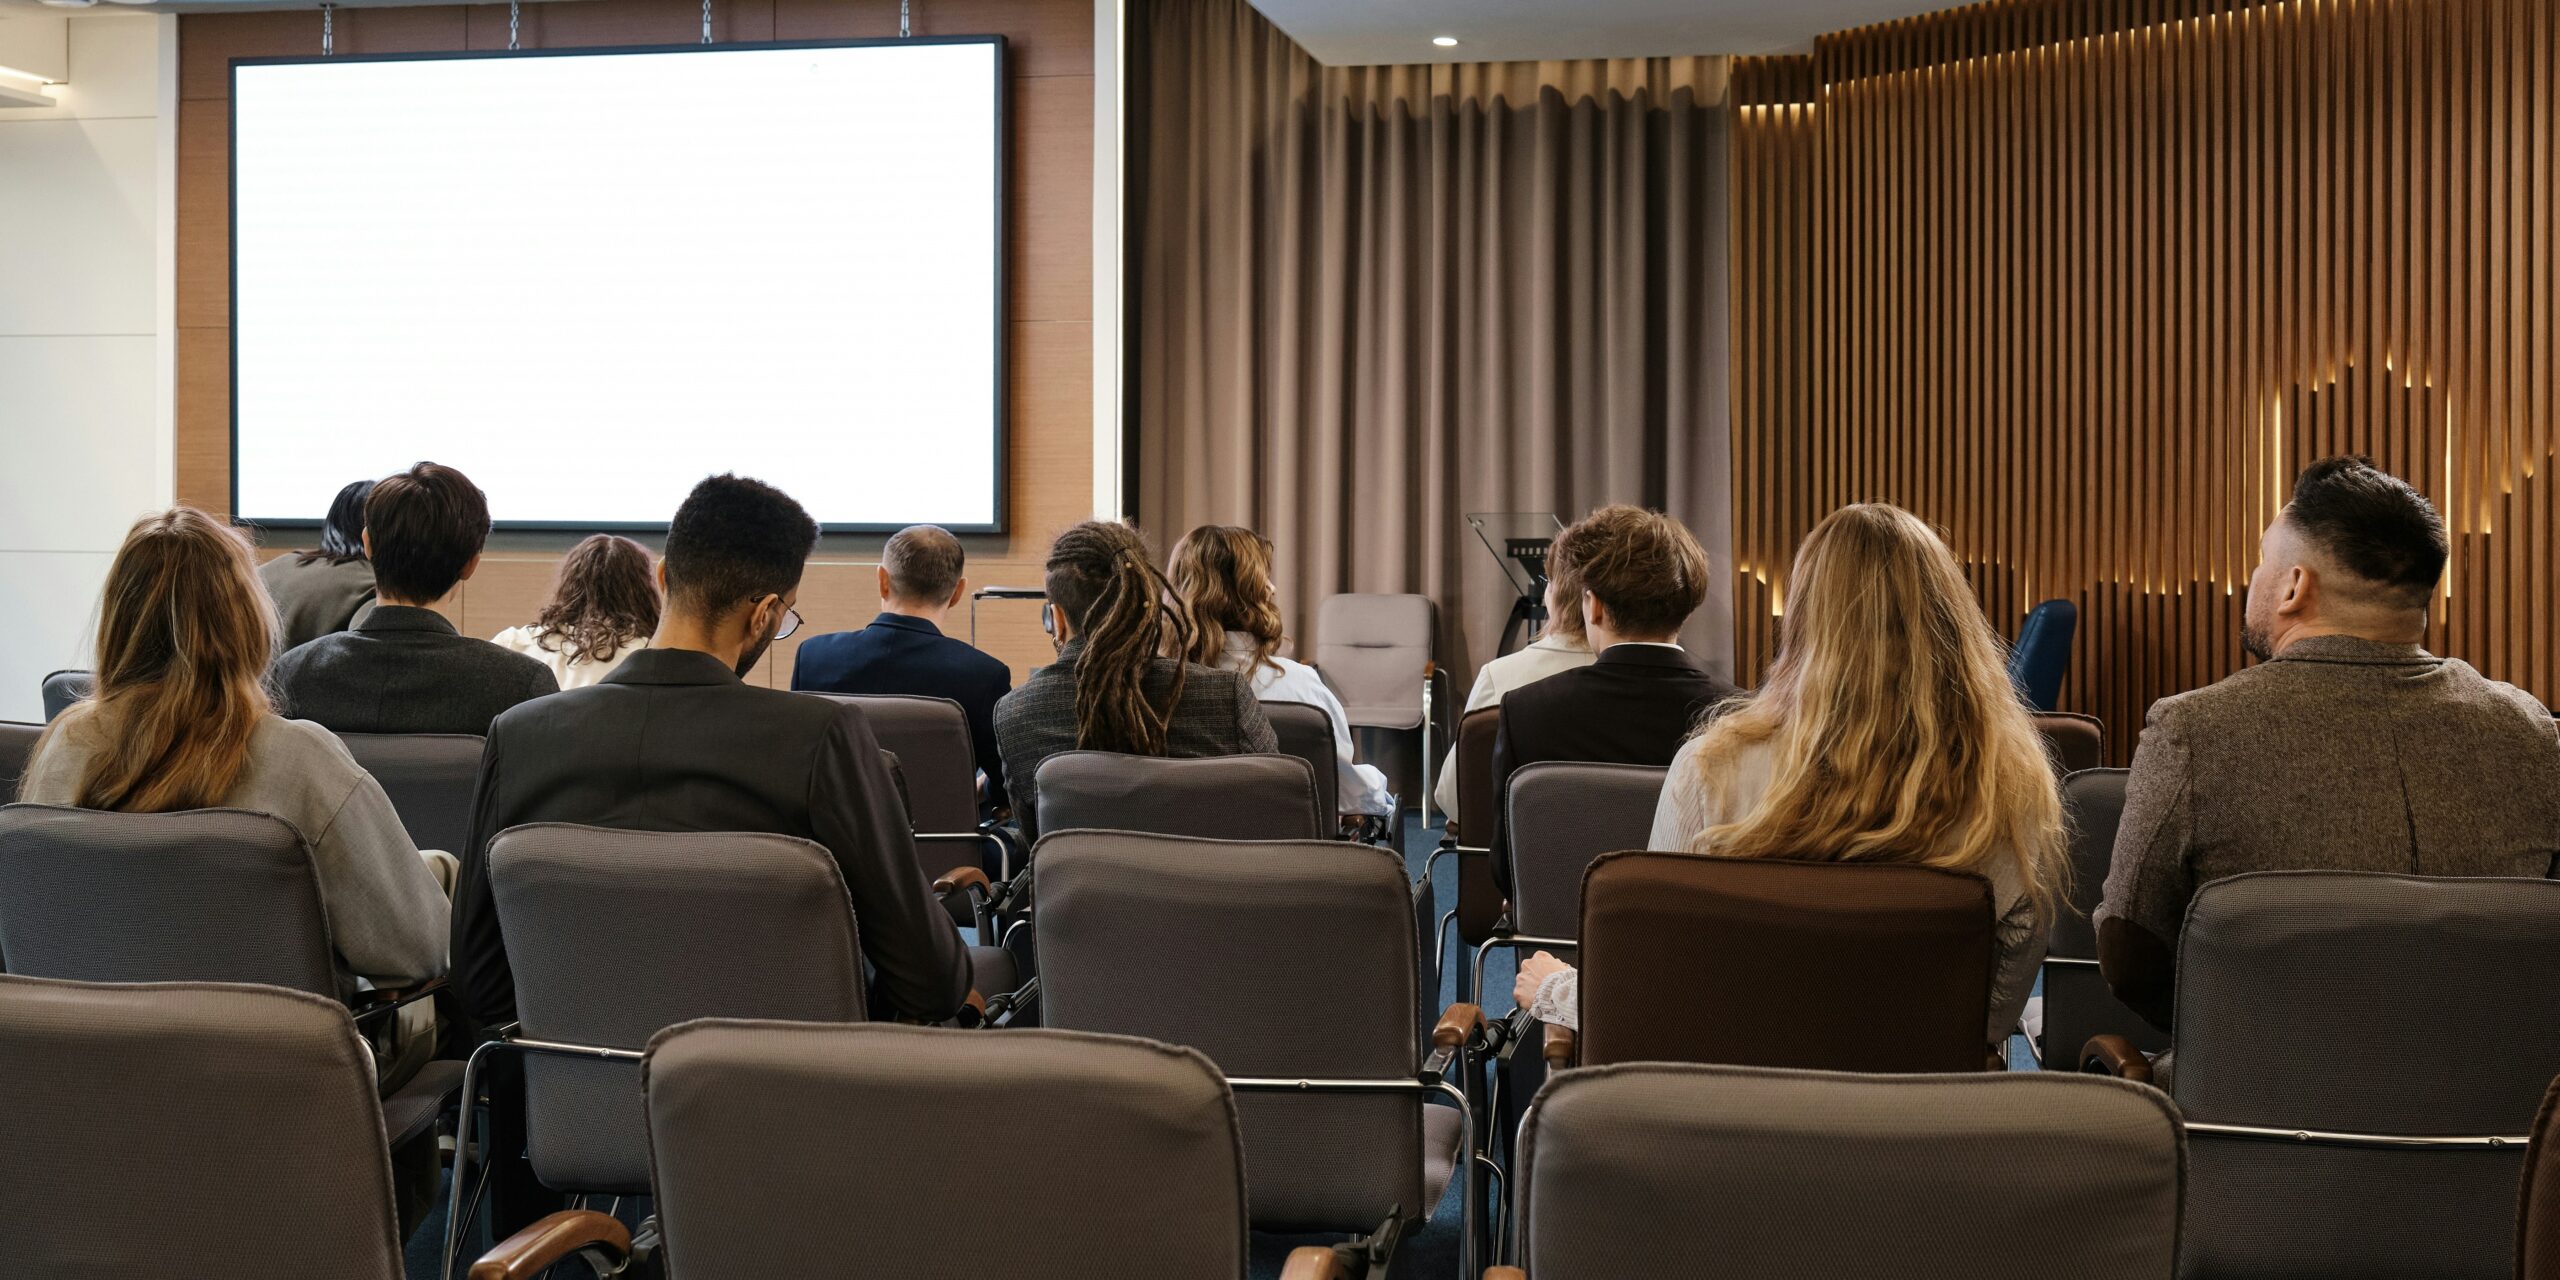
x=2078 y=1004
x=939 y=760
x=1561 y=818
x=1292 y=965
x=206 y=895
x=1305 y=731
x=2075 y=741
x=429 y=777
x=2538 y=1208
x=62 y=688
x=1466 y=841
x=191 y=1130
x=1217 y=797
x=779 y=1144
x=17 y=747
x=1376 y=653
x=2359 y=1057
x=1657 y=1169
x=614 y=936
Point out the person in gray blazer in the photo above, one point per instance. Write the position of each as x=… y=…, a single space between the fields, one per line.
x=404 y=669
x=2347 y=748
x=1111 y=688
x=327 y=588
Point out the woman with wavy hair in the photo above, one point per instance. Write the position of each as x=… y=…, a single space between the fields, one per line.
x=180 y=720
x=603 y=608
x=1888 y=731
x=1222 y=575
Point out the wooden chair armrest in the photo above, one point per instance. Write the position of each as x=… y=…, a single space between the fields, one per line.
x=530 y=1252
x=1505 y=1273
x=1459 y=1024
x=1309 y=1262
x=959 y=878
x=2113 y=1055
x=1560 y=1047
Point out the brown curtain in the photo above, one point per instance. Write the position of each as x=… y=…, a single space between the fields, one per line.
x=1371 y=300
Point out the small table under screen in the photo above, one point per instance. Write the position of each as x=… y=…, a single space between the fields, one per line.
x=998 y=593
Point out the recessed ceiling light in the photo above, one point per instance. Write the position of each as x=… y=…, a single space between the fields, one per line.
x=1445 y=42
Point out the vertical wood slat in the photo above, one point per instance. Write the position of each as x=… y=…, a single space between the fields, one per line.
x=2084 y=282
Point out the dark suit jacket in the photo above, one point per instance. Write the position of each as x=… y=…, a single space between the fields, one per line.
x=2339 y=754
x=404 y=670
x=1635 y=705
x=899 y=654
x=674 y=741
x=1218 y=716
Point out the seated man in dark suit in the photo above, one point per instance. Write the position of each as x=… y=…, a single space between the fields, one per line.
x=676 y=740
x=904 y=650
x=404 y=669
x=1111 y=689
x=1642 y=576
x=2348 y=747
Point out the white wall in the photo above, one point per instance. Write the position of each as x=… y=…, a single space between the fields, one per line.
x=85 y=336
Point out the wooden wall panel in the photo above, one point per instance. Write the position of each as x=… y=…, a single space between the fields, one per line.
x=2084 y=282
x=1049 y=211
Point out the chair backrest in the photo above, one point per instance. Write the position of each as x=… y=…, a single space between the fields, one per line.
x=429 y=777
x=1479 y=898
x=2538 y=1208
x=776 y=1144
x=1660 y=1169
x=1216 y=797
x=2078 y=1003
x=63 y=688
x=1373 y=650
x=1288 y=959
x=208 y=895
x=2362 y=1003
x=1562 y=818
x=930 y=737
x=2077 y=742
x=189 y=1129
x=1305 y=731
x=17 y=747
x=1834 y=966
x=617 y=935
x=2038 y=661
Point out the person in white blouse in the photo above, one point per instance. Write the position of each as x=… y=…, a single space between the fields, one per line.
x=603 y=608
x=1560 y=647
x=1223 y=574
x=1888 y=730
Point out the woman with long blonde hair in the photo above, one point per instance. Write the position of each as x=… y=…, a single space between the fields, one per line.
x=180 y=720
x=1888 y=731
x=1222 y=575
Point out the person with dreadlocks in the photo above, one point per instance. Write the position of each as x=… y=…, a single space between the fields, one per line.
x=1113 y=615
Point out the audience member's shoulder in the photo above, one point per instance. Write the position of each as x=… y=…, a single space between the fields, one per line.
x=305 y=653
x=304 y=751
x=2502 y=696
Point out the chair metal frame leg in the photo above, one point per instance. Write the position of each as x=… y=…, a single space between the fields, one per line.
x=1428 y=674
x=470 y=1100
x=1471 y=1190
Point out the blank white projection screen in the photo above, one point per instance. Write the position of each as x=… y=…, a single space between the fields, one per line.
x=591 y=280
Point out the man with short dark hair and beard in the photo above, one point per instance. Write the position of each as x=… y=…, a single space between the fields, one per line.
x=2347 y=748
x=676 y=740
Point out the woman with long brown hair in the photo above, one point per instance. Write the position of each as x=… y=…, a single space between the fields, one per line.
x=180 y=720
x=1113 y=616
x=603 y=608
x=1888 y=731
x=1222 y=577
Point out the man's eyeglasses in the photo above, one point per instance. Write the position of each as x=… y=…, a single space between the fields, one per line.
x=790 y=623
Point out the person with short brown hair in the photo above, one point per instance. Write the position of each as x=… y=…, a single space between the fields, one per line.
x=404 y=669
x=923 y=577
x=1642 y=575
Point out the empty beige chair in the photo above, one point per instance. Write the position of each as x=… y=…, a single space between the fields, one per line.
x=191 y=1131
x=1255 y=797
x=1710 y=1173
x=1284 y=961
x=1376 y=652
x=2359 y=1057
x=429 y=777
x=817 y=1152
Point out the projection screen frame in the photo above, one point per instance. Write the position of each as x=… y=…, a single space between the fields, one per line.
x=1002 y=350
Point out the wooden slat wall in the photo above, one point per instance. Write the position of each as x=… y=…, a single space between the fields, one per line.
x=2084 y=282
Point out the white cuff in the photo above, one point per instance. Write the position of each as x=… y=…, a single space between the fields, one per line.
x=1559 y=1000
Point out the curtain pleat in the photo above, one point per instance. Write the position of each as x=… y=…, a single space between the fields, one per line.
x=1371 y=300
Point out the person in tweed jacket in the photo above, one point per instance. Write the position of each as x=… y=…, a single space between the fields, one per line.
x=1112 y=614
